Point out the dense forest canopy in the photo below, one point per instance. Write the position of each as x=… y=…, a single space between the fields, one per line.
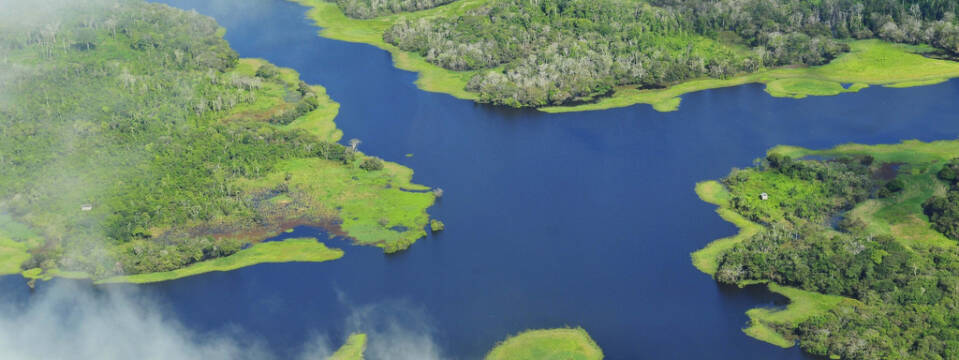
x=365 y=9
x=907 y=296
x=134 y=141
x=550 y=52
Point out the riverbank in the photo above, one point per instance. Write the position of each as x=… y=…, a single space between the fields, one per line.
x=289 y=250
x=869 y=63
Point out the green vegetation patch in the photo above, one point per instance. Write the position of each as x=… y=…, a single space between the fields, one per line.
x=551 y=344
x=852 y=246
x=870 y=62
x=763 y=322
x=571 y=55
x=352 y=350
x=289 y=250
x=183 y=154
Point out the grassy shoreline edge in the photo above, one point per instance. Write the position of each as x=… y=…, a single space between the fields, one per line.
x=407 y=209
x=762 y=321
x=869 y=63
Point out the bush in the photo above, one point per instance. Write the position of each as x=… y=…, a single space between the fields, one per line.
x=371 y=164
x=267 y=71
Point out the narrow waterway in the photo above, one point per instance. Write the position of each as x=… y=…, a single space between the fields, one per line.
x=581 y=219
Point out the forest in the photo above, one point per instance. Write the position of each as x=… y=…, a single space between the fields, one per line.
x=552 y=52
x=136 y=141
x=814 y=239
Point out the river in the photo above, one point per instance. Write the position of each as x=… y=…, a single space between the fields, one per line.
x=580 y=219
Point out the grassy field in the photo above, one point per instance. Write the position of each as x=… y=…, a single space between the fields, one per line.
x=551 y=344
x=291 y=250
x=352 y=350
x=900 y=215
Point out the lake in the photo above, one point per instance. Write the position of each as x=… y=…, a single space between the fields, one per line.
x=580 y=219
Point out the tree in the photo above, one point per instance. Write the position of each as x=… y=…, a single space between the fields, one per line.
x=354 y=142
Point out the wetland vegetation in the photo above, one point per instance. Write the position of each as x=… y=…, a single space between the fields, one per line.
x=879 y=283
x=575 y=55
x=136 y=142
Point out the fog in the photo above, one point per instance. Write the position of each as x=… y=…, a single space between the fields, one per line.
x=75 y=320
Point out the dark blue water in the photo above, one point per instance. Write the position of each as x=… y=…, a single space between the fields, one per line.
x=582 y=219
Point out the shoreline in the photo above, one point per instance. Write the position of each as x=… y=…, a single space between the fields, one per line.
x=346 y=205
x=803 y=304
x=867 y=64
x=762 y=321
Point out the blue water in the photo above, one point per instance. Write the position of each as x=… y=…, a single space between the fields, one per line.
x=583 y=219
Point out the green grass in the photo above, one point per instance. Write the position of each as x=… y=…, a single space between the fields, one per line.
x=352 y=350
x=12 y=254
x=802 y=305
x=371 y=204
x=870 y=62
x=707 y=258
x=300 y=250
x=901 y=215
x=431 y=78
x=551 y=344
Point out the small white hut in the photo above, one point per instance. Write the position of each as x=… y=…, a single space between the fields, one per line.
x=86 y=207
x=763 y=196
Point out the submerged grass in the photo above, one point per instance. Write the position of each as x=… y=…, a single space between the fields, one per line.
x=549 y=344
x=290 y=250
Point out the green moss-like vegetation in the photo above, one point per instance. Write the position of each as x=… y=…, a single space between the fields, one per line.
x=550 y=344
x=290 y=250
x=352 y=350
x=883 y=264
x=143 y=145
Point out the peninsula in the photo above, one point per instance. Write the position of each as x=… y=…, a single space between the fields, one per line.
x=139 y=148
x=860 y=238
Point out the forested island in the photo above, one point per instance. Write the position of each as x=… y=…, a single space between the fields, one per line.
x=138 y=147
x=862 y=240
x=571 y=55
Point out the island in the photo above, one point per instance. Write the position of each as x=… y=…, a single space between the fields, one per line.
x=561 y=343
x=862 y=239
x=576 y=55
x=139 y=148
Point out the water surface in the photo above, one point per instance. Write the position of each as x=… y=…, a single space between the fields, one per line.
x=580 y=219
